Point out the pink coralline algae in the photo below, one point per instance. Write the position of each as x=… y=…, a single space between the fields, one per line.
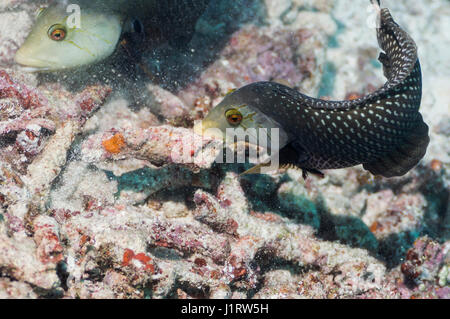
x=23 y=111
x=43 y=134
x=425 y=270
x=13 y=91
x=46 y=236
x=208 y=212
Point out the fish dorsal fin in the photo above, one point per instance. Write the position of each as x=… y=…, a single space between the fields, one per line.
x=283 y=82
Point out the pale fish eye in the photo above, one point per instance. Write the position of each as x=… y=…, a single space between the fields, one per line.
x=57 y=32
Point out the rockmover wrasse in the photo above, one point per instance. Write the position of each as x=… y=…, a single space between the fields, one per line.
x=383 y=131
x=70 y=34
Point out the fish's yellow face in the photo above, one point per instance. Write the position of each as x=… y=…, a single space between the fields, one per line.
x=55 y=44
x=223 y=122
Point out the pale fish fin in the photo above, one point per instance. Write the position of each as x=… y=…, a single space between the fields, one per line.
x=255 y=169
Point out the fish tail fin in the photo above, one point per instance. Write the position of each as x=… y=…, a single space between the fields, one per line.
x=405 y=156
x=400 y=51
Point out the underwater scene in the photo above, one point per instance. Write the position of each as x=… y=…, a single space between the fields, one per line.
x=217 y=149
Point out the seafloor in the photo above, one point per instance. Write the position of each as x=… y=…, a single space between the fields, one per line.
x=103 y=194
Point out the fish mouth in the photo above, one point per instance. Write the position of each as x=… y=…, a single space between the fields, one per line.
x=31 y=69
x=29 y=64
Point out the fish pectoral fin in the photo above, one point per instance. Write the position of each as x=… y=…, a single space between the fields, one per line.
x=316 y=172
x=128 y=44
x=294 y=156
x=305 y=171
x=255 y=169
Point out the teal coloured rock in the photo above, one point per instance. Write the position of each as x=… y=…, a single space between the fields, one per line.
x=294 y=198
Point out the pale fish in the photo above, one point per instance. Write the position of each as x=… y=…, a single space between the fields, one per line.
x=58 y=42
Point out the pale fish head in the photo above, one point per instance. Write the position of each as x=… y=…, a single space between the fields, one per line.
x=237 y=118
x=57 y=43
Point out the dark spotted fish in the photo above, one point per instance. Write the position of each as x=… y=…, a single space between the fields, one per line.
x=383 y=131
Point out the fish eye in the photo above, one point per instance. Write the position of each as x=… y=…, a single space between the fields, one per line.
x=57 y=32
x=234 y=117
